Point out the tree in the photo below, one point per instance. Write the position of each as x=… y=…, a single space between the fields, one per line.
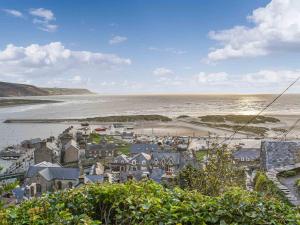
x=218 y=173
x=6 y=188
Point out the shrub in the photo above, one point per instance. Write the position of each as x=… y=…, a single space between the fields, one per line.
x=266 y=187
x=289 y=173
x=149 y=203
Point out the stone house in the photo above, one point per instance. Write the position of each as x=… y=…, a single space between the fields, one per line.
x=44 y=151
x=247 y=157
x=120 y=163
x=71 y=152
x=167 y=161
x=140 y=162
x=102 y=151
x=276 y=154
x=48 y=177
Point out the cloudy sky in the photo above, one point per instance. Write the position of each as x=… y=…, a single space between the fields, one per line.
x=159 y=46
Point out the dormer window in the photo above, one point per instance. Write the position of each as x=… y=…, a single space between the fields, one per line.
x=133 y=162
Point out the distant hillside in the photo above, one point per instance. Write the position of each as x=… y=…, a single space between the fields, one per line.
x=67 y=91
x=14 y=90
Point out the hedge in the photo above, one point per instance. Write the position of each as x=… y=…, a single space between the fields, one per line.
x=149 y=203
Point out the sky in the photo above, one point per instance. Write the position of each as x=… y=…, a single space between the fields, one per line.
x=151 y=47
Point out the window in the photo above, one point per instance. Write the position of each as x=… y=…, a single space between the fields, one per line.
x=70 y=184
x=133 y=162
x=144 y=162
x=38 y=188
x=59 y=185
x=32 y=191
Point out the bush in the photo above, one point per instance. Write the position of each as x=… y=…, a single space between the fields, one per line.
x=289 y=173
x=149 y=203
x=266 y=187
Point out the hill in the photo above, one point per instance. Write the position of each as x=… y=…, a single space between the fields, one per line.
x=15 y=90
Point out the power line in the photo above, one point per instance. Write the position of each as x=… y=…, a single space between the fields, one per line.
x=260 y=112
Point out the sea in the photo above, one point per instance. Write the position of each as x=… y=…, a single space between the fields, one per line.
x=103 y=105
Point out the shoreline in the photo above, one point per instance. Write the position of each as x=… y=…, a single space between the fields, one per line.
x=4 y=103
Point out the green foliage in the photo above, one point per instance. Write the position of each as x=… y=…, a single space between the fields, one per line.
x=149 y=203
x=128 y=118
x=277 y=129
x=95 y=138
x=218 y=174
x=200 y=155
x=289 y=173
x=297 y=183
x=240 y=119
x=266 y=187
x=182 y=116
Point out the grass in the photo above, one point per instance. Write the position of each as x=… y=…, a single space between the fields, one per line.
x=276 y=129
x=95 y=138
x=128 y=118
x=124 y=149
x=200 y=155
x=238 y=119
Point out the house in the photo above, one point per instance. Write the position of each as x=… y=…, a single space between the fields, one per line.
x=168 y=161
x=93 y=179
x=32 y=143
x=103 y=150
x=71 y=152
x=47 y=177
x=145 y=148
x=247 y=157
x=120 y=163
x=44 y=151
x=276 y=154
x=140 y=162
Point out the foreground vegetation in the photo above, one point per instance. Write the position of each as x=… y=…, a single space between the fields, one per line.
x=149 y=203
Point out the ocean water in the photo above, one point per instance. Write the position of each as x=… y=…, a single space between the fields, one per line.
x=99 y=105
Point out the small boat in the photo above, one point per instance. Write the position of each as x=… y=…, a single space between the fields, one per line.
x=84 y=124
x=101 y=129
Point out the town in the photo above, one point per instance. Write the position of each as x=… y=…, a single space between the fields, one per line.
x=115 y=154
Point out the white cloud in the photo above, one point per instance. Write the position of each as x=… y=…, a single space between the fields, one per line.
x=44 y=14
x=271 y=77
x=117 y=40
x=13 y=12
x=54 y=60
x=167 y=50
x=43 y=18
x=161 y=71
x=211 y=78
x=276 y=28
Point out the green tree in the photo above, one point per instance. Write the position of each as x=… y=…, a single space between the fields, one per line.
x=217 y=174
x=5 y=188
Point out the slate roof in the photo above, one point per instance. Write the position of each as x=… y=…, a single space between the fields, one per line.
x=156 y=174
x=146 y=148
x=247 y=153
x=71 y=143
x=99 y=147
x=141 y=156
x=175 y=156
x=94 y=178
x=121 y=158
x=276 y=154
x=33 y=170
x=59 y=173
